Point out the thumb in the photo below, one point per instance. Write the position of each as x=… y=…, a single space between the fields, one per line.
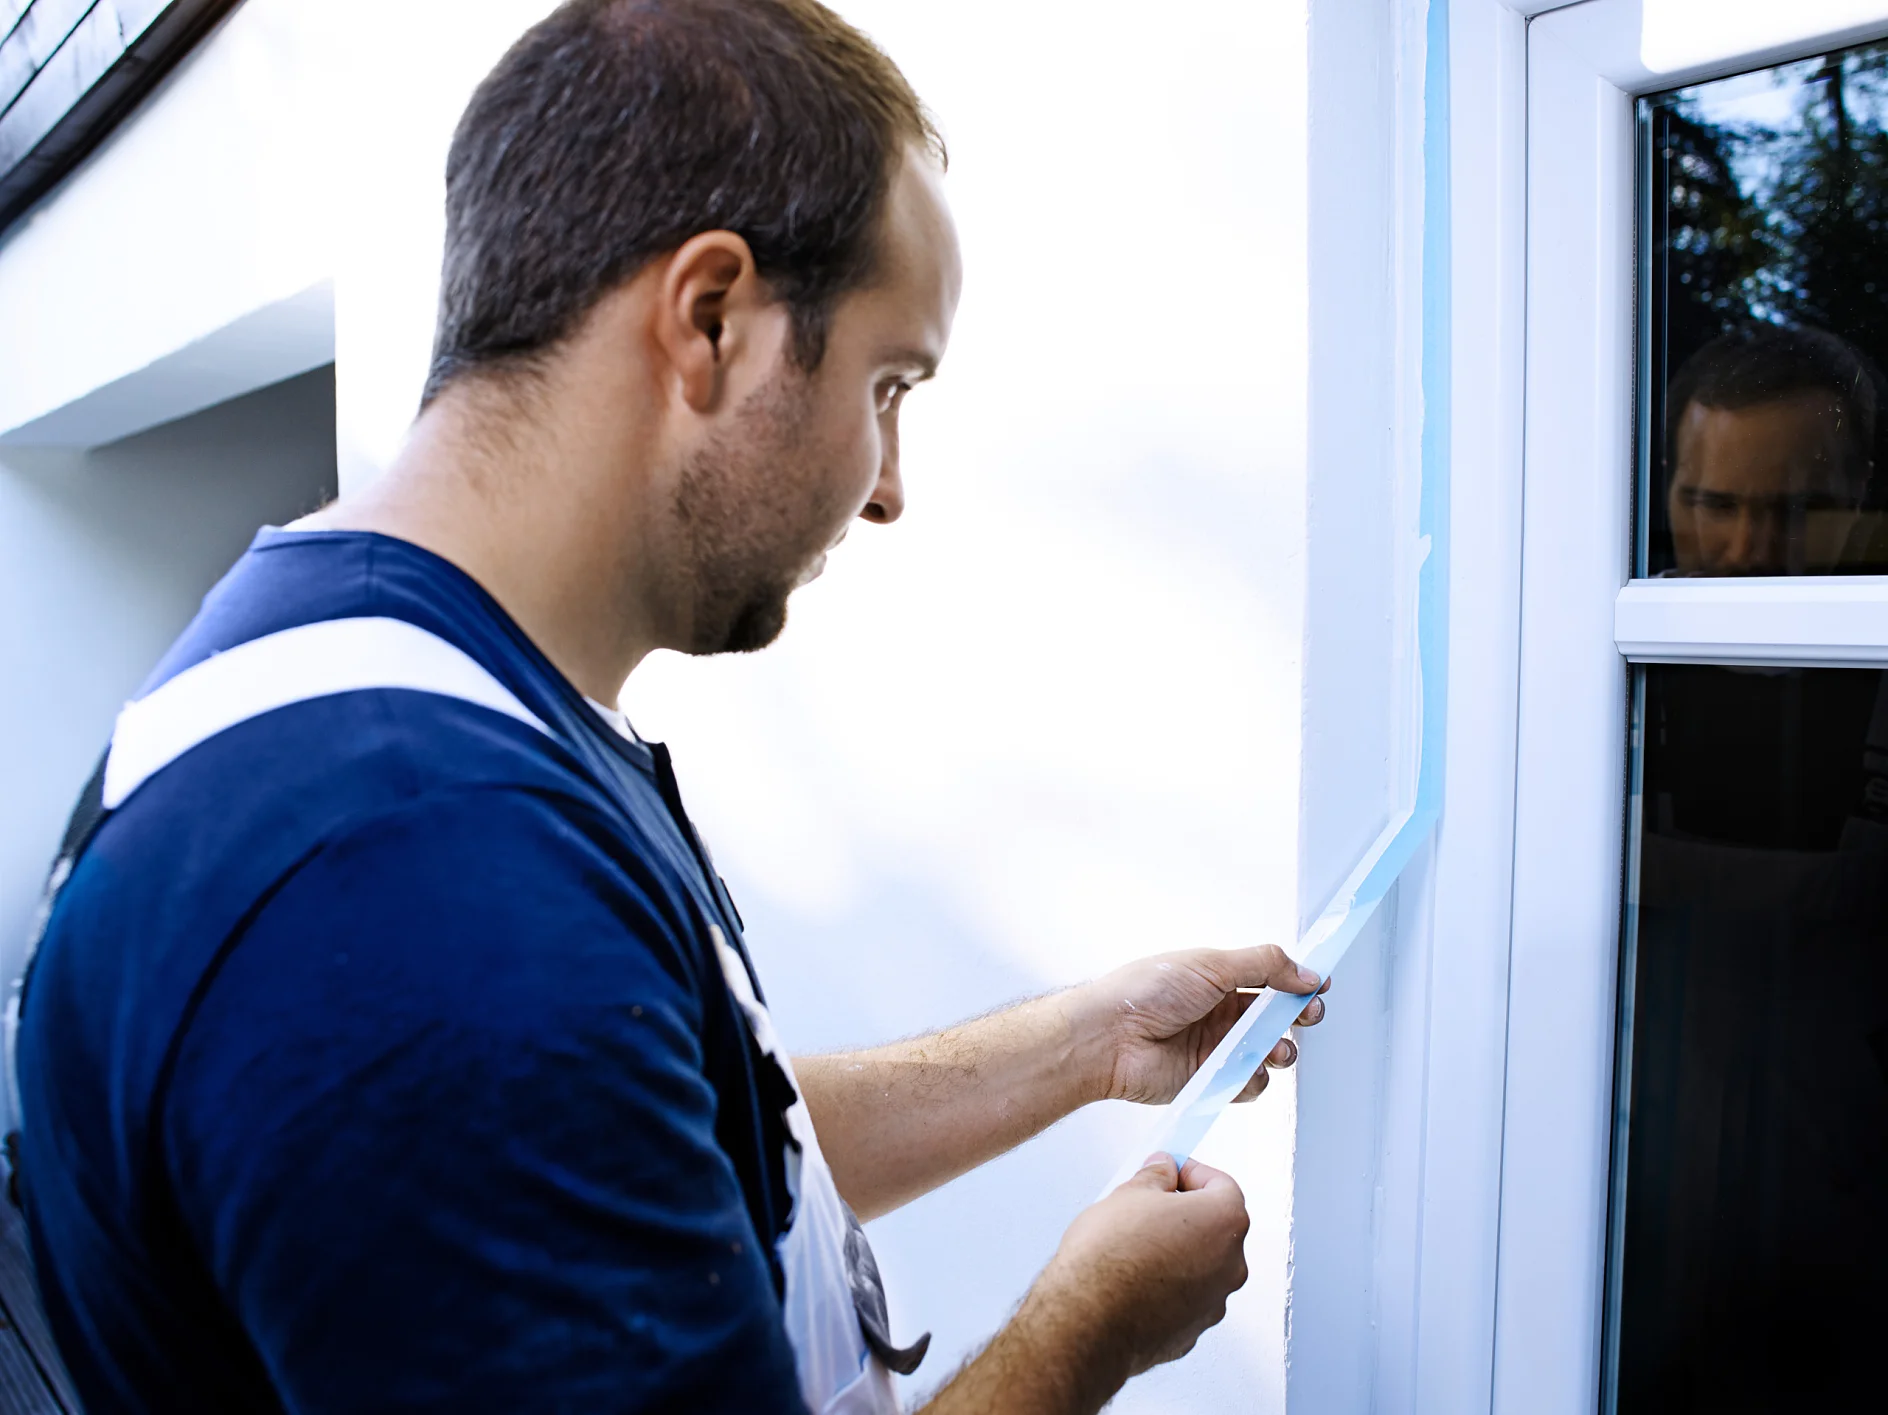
x=1159 y=1173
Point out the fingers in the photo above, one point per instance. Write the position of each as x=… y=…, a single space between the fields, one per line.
x=1255 y=1087
x=1223 y=1192
x=1197 y=1178
x=1268 y=966
x=1281 y=1056
x=1160 y=1173
x=1314 y=1010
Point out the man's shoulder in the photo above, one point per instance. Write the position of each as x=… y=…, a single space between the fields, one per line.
x=287 y=579
x=488 y=893
x=216 y=830
x=428 y=821
x=364 y=847
x=307 y=769
x=227 y=817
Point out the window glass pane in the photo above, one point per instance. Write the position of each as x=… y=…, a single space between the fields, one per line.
x=1764 y=322
x=1748 y=1265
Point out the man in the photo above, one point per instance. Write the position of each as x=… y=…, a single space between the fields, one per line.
x=392 y=1044
x=1770 y=445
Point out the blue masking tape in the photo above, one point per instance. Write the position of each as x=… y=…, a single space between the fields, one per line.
x=1239 y=1055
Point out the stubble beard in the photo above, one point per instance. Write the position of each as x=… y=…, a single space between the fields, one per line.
x=746 y=509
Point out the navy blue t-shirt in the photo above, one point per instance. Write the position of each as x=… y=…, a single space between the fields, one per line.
x=378 y=1055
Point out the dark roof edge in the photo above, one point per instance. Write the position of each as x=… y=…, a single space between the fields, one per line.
x=108 y=102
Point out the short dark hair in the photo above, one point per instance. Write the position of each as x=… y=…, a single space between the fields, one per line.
x=615 y=130
x=1759 y=363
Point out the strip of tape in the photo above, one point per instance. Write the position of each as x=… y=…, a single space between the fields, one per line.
x=1184 y=1122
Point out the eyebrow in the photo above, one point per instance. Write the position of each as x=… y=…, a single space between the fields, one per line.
x=926 y=364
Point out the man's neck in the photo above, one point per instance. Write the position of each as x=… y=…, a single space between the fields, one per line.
x=524 y=518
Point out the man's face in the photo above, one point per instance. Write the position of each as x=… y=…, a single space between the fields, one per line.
x=759 y=504
x=1769 y=489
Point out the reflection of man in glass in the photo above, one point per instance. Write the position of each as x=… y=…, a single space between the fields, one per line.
x=1770 y=443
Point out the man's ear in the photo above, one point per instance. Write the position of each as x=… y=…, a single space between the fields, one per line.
x=705 y=301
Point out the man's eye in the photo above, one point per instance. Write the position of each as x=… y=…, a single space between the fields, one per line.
x=890 y=393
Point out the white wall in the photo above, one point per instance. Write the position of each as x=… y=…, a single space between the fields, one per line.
x=216 y=200
x=104 y=556
x=1049 y=721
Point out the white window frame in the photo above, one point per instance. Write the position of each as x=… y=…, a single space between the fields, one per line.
x=1838 y=622
x=1583 y=620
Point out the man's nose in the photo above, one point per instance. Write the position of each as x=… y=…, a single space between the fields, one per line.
x=888 y=496
x=1759 y=541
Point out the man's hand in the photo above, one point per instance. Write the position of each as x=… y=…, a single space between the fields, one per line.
x=1155 y=1021
x=899 y=1120
x=1138 y=1277
x=1155 y=1261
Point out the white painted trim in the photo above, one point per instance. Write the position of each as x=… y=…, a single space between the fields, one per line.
x=262 y=347
x=1837 y=621
x=1439 y=1223
x=291 y=666
x=1400 y=1104
x=1625 y=42
x=1571 y=735
x=1680 y=35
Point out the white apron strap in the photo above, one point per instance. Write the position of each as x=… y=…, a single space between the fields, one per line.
x=824 y=1253
x=290 y=666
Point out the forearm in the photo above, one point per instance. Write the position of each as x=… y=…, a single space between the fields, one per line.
x=899 y=1120
x=1056 y=1357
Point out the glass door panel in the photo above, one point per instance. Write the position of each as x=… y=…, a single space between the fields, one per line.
x=1749 y=1264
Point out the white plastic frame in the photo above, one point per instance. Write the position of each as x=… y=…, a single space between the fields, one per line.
x=1833 y=622
x=1581 y=622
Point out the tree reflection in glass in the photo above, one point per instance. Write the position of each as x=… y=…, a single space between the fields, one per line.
x=1765 y=323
